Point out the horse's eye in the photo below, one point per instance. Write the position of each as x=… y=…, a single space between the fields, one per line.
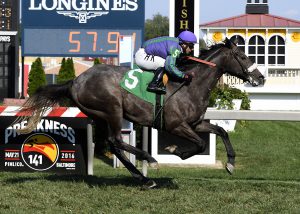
x=243 y=57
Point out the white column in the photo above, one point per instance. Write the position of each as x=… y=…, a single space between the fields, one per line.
x=171 y=18
x=196 y=25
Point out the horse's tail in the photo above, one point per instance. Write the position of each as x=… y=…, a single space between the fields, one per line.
x=43 y=99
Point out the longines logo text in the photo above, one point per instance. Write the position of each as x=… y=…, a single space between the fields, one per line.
x=83 y=9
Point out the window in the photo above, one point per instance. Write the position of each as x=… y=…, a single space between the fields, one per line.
x=256 y=50
x=276 y=49
x=239 y=41
x=257 y=1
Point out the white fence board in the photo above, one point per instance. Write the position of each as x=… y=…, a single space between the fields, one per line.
x=252 y=115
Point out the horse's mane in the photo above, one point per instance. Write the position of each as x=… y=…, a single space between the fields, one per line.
x=184 y=64
x=204 y=53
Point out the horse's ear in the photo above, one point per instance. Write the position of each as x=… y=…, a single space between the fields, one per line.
x=228 y=43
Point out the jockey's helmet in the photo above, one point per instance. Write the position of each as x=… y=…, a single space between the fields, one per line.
x=187 y=37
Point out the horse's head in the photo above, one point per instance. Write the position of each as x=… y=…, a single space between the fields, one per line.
x=239 y=65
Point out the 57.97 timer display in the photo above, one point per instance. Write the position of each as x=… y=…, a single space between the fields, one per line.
x=77 y=42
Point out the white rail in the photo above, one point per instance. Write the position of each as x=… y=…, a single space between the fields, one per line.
x=252 y=115
x=283 y=72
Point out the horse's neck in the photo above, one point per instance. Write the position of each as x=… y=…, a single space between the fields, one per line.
x=207 y=78
x=213 y=74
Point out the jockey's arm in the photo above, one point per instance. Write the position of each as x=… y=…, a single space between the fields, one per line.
x=170 y=64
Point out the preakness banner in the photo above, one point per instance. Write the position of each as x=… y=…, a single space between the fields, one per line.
x=58 y=144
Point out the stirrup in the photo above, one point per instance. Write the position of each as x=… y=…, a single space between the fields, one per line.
x=158 y=90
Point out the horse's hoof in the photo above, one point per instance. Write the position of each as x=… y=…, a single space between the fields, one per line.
x=171 y=149
x=154 y=165
x=229 y=168
x=149 y=185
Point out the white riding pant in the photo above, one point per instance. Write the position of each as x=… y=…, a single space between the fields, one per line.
x=148 y=62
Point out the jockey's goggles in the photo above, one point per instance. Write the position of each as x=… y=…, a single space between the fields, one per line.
x=190 y=45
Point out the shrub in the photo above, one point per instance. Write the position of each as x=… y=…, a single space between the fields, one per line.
x=66 y=71
x=222 y=97
x=97 y=61
x=37 y=76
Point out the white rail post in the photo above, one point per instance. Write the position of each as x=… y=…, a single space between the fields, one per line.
x=145 y=148
x=90 y=149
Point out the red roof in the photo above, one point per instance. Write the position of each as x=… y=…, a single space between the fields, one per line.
x=253 y=20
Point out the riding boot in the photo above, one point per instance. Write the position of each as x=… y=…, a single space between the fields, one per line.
x=156 y=85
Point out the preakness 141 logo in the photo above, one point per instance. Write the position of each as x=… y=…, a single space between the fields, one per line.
x=83 y=9
x=40 y=152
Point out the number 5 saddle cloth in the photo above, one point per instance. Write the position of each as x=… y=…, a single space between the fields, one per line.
x=136 y=81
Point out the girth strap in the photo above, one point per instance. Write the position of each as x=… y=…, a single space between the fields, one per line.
x=157 y=122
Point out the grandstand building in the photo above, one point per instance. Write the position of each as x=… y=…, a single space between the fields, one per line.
x=272 y=42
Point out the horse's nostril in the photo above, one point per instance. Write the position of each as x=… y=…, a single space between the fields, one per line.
x=262 y=80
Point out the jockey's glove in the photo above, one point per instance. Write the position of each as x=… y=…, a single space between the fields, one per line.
x=187 y=78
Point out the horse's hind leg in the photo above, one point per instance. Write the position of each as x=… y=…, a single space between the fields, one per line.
x=132 y=169
x=205 y=126
x=140 y=155
x=117 y=144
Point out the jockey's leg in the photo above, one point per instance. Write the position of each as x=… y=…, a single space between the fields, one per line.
x=156 y=85
x=148 y=62
x=152 y=63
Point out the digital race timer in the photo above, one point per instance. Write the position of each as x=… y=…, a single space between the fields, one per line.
x=8 y=15
x=76 y=42
x=91 y=28
x=5 y=15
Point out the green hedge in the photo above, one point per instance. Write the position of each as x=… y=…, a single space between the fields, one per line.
x=222 y=97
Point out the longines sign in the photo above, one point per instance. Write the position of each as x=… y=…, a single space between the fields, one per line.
x=90 y=13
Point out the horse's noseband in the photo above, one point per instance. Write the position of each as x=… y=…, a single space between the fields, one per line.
x=252 y=68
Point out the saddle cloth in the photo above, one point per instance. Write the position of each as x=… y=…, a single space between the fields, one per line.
x=136 y=81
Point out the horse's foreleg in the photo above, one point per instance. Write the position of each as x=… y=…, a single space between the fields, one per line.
x=196 y=146
x=205 y=126
x=132 y=169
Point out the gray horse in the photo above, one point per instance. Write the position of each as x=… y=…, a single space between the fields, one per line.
x=98 y=94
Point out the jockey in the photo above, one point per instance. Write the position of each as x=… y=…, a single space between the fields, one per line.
x=160 y=54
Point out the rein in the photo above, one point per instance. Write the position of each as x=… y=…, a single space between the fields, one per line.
x=201 y=61
x=161 y=108
x=182 y=84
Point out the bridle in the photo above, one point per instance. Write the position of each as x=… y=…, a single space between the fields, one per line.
x=234 y=52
